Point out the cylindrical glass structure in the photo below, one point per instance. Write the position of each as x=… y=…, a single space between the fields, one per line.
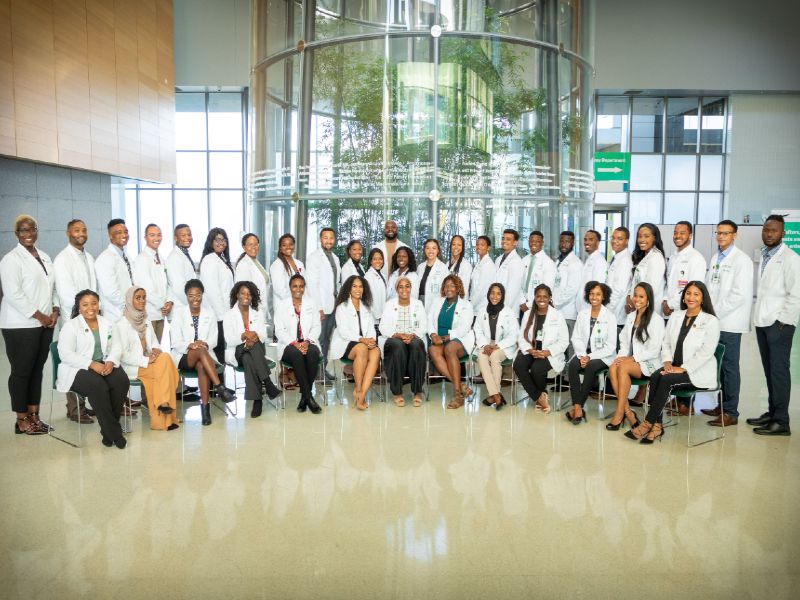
x=448 y=116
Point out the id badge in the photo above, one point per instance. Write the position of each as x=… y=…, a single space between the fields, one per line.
x=637 y=278
x=539 y=336
x=715 y=275
x=558 y=280
x=599 y=340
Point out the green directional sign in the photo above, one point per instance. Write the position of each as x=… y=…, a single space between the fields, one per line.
x=612 y=166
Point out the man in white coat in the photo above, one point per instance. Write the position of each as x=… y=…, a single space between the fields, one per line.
x=483 y=274
x=389 y=246
x=180 y=266
x=686 y=265
x=323 y=275
x=775 y=317
x=74 y=272
x=730 y=285
x=568 y=279
x=509 y=268
x=114 y=272
x=594 y=269
x=149 y=273
x=619 y=273
x=537 y=268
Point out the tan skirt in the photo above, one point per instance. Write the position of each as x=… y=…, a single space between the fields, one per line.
x=160 y=379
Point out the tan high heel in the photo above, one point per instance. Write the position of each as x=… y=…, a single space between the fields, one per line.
x=543 y=403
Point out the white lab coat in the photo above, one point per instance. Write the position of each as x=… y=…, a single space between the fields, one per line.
x=510 y=275
x=433 y=284
x=651 y=270
x=72 y=277
x=464 y=272
x=113 y=280
x=778 y=289
x=320 y=279
x=179 y=270
x=379 y=291
x=349 y=269
x=286 y=323
x=555 y=337
x=26 y=288
x=217 y=280
x=391 y=292
x=544 y=271
x=594 y=269
x=387 y=260
x=461 y=328
x=684 y=266
x=506 y=331
x=76 y=348
x=730 y=285
x=126 y=345
x=233 y=328
x=483 y=276
x=247 y=270
x=566 y=285
x=347 y=330
x=153 y=278
x=419 y=319
x=698 y=347
x=619 y=280
x=280 y=281
x=603 y=336
x=182 y=331
x=647 y=354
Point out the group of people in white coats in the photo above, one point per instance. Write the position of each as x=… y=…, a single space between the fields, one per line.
x=540 y=314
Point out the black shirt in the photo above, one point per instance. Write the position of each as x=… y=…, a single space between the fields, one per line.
x=677 y=358
x=538 y=325
x=423 y=281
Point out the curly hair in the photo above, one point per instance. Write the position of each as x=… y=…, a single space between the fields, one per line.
x=603 y=287
x=347 y=286
x=75 y=310
x=456 y=282
x=412 y=260
x=255 y=295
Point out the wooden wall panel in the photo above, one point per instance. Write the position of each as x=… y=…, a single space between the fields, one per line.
x=89 y=84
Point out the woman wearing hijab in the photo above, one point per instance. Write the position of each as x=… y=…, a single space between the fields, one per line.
x=496 y=331
x=141 y=358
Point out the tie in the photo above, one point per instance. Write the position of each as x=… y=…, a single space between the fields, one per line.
x=530 y=273
x=333 y=268
x=189 y=258
x=613 y=258
x=505 y=256
x=158 y=259
x=85 y=262
x=128 y=264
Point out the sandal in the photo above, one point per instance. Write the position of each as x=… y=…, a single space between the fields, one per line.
x=543 y=403
x=417 y=401
x=399 y=401
x=32 y=429
x=44 y=427
x=456 y=402
x=638 y=433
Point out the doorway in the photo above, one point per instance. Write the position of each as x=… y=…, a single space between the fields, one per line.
x=606 y=221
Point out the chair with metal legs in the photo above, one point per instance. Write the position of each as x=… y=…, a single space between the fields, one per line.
x=508 y=362
x=185 y=374
x=287 y=367
x=464 y=360
x=271 y=364
x=340 y=379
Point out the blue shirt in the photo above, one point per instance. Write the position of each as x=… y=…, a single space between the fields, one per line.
x=767 y=254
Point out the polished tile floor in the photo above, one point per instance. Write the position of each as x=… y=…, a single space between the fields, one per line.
x=403 y=503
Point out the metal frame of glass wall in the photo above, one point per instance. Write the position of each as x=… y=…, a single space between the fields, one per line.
x=460 y=116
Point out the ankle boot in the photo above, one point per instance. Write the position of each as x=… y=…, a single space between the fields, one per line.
x=272 y=391
x=224 y=393
x=303 y=405
x=313 y=406
x=256 y=412
x=205 y=410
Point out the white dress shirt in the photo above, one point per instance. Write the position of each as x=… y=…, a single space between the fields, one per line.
x=566 y=285
x=280 y=281
x=286 y=323
x=113 y=281
x=509 y=274
x=651 y=269
x=778 y=289
x=126 y=345
x=74 y=272
x=483 y=276
x=321 y=283
x=555 y=337
x=350 y=326
x=684 y=266
x=698 y=347
x=26 y=288
x=541 y=269
x=152 y=276
x=619 y=280
x=506 y=330
x=461 y=329
x=217 y=280
x=182 y=331
x=594 y=269
x=647 y=354
x=730 y=284
x=180 y=269
x=233 y=326
x=603 y=335
x=76 y=349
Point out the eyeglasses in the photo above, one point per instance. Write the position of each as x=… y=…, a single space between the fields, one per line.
x=725 y=232
x=220 y=240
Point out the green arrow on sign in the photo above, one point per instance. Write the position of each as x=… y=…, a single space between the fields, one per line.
x=612 y=166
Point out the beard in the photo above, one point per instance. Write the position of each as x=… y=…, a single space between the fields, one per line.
x=390 y=235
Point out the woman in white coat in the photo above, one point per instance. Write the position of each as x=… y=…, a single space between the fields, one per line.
x=140 y=356
x=354 y=337
x=352 y=266
x=194 y=332
x=403 y=324
x=639 y=353
x=245 y=334
x=297 y=327
x=377 y=284
x=496 y=332
x=404 y=264
x=594 y=341
x=542 y=341
x=217 y=274
x=649 y=265
x=458 y=264
x=283 y=268
x=688 y=359
x=90 y=367
x=249 y=268
x=431 y=273
x=450 y=330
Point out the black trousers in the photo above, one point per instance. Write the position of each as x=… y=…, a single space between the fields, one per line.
x=253 y=361
x=219 y=349
x=106 y=396
x=661 y=388
x=27 y=351
x=532 y=373
x=304 y=367
x=775 y=346
x=403 y=360
x=325 y=333
x=579 y=390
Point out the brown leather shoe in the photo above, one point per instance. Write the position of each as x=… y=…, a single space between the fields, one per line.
x=84 y=419
x=726 y=419
x=683 y=409
x=712 y=412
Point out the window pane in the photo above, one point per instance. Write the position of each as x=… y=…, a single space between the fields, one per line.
x=713 y=124
x=616 y=199
x=647 y=127
x=191 y=168
x=644 y=208
x=709 y=208
x=681 y=173
x=678 y=207
x=225 y=121
x=710 y=172
x=682 y=125
x=645 y=172
x=227 y=212
x=226 y=170
x=191 y=207
x=132 y=221
x=612 y=124
x=155 y=206
x=190 y=121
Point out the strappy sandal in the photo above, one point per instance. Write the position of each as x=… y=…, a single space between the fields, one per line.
x=44 y=427
x=399 y=401
x=417 y=401
x=638 y=433
x=543 y=403
x=456 y=402
x=31 y=430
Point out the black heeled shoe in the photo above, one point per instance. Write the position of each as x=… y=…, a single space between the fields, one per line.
x=577 y=420
x=487 y=401
x=107 y=442
x=301 y=408
x=501 y=403
x=256 y=412
x=657 y=436
x=121 y=442
x=615 y=426
x=272 y=391
x=313 y=406
x=173 y=427
x=224 y=393
x=205 y=410
x=635 y=416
